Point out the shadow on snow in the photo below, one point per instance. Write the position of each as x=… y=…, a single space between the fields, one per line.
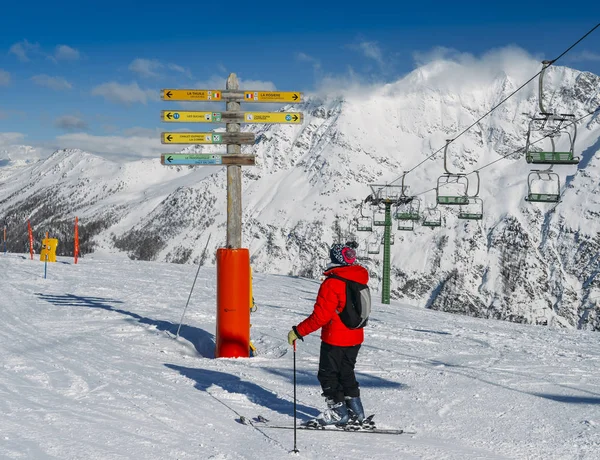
x=205 y=378
x=203 y=341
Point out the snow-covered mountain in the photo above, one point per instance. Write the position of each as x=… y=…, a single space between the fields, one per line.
x=524 y=262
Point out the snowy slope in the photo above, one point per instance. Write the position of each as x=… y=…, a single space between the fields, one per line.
x=529 y=263
x=89 y=370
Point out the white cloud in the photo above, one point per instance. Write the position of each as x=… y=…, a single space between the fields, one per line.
x=138 y=131
x=23 y=50
x=449 y=68
x=4 y=78
x=180 y=69
x=55 y=83
x=117 y=147
x=7 y=139
x=372 y=51
x=345 y=85
x=125 y=94
x=70 y=123
x=153 y=68
x=146 y=67
x=219 y=82
x=303 y=57
x=66 y=53
x=584 y=56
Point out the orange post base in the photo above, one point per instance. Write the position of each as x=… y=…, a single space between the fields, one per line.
x=233 y=298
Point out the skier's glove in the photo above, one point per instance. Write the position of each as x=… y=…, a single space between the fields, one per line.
x=293 y=335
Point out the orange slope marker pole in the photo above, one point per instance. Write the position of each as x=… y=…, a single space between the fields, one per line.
x=233 y=298
x=76 y=248
x=30 y=239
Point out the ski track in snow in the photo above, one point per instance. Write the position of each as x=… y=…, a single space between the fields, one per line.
x=91 y=370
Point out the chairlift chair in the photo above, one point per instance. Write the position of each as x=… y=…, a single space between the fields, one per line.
x=362 y=254
x=546 y=123
x=379 y=217
x=451 y=195
x=536 y=195
x=472 y=211
x=552 y=122
x=408 y=211
x=364 y=223
x=373 y=247
x=448 y=195
x=406 y=225
x=432 y=217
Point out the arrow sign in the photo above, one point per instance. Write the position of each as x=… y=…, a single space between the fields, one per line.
x=187 y=116
x=175 y=159
x=206 y=95
x=269 y=96
x=208 y=138
x=273 y=117
x=231 y=117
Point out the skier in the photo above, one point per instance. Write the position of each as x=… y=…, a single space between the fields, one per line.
x=339 y=344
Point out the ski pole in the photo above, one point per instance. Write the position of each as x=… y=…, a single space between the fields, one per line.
x=193 y=284
x=295 y=448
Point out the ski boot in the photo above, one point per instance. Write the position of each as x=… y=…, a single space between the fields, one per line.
x=335 y=414
x=355 y=408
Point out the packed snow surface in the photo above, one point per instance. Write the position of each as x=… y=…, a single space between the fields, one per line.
x=92 y=369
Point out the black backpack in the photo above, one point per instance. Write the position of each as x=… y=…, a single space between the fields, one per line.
x=355 y=314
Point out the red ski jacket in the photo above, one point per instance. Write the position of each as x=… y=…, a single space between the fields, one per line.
x=331 y=299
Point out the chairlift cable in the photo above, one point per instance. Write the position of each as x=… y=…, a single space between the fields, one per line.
x=500 y=103
x=520 y=150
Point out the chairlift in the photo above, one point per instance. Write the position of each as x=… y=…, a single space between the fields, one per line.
x=406 y=225
x=362 y=254
x=407 y=207
x=446 y=193
x=373 y=247
x=536 y=194
x=379 y=217
x=364 y=223
x=551 y=123
x=473 y=210
x=432 y=217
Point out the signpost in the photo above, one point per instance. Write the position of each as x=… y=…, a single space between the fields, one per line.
x=208 y=138
x=187 y=116
x=230 y=95
x=177 y=159
x=233 y=261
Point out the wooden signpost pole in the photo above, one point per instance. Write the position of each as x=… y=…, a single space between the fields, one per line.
x=234 y=176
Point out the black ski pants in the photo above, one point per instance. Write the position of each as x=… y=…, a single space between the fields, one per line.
x=336 y=371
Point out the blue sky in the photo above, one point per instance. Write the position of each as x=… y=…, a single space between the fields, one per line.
x=88 y=74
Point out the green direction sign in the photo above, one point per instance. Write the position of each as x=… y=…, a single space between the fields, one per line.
x=176 y=159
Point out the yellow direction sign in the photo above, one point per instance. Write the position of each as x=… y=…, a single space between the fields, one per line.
x=207 y=95
x=208 y=138
x=273 y=117
x=190 y=116
x=273 y=96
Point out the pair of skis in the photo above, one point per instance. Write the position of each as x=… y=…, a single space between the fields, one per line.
x=367 y=426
